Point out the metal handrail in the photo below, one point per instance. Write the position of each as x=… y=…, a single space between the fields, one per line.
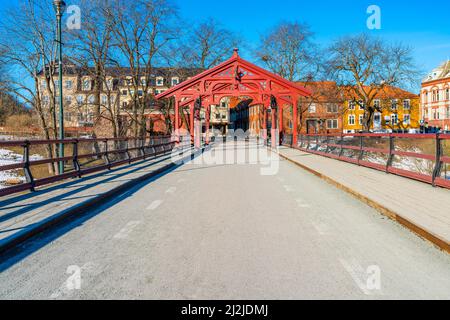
x=325 y=146
x=145 y=147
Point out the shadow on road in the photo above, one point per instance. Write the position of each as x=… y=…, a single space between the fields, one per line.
x=36 y=243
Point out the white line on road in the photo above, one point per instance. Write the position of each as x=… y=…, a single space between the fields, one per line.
x=171 y=190
x=155 y=204
x=302 y=204
x=125 y=232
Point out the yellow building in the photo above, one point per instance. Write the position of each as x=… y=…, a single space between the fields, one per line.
x=399 y=111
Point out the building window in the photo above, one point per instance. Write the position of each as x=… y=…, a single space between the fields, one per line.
x=86 y=85
x=361 y=119
x=447 y=94
x=394 y=103
x=68 y=116
x=91 y=99
x=175 y=81
x=448 y=113
x=124 y=92
x=394 y=119
x=407 y=104
x=159 y=81
x=69 y=85
x=351 y=120
x=377 y=119
x=80 y=99
x=44 y=84
x=332 y=108
x=46 y=100
x=407 y=119
x=376 y=104
x=351 y=105
x=361 y=104
x=312 y=108
x=104 y=99
x=332 y=124
x=68 y=100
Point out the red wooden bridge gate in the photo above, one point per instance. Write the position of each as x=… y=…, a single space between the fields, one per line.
x=236 y=78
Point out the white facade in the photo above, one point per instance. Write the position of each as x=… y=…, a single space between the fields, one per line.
x=435 y=97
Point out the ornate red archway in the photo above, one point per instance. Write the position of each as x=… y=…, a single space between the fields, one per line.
x=236 y=77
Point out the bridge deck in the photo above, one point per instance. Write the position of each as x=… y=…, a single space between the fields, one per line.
x=228 y=232
x=24 y=213
x=420 y=204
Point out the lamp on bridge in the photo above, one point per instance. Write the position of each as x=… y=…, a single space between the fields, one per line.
x=60 y=7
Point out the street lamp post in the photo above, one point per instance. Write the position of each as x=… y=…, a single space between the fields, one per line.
x=60 y=6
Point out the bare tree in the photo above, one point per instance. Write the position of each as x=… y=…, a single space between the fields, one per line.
x=289 y=51
x=364 y=66
x=29 y=52
x=207 y=44
x=94 y=44
x=143 y=29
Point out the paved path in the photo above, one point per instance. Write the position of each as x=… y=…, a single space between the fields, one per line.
x=20 y=214
x=228 y=232
x=417 y=202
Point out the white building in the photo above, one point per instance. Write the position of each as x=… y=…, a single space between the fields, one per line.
x=435 y=97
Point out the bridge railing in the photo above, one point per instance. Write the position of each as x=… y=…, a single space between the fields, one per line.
x=423 y=157
x=84 y=156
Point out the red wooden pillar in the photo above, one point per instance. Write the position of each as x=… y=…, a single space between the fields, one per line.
x=273 y=130
x=280 y=120
x=264 y=124
x=191 y=122
x=176 y=121
x=207 y=119
x=294 y=121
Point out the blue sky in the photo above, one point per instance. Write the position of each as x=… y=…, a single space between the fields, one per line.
x=423 y=25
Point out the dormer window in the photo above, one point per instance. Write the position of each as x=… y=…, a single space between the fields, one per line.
x=86 y=85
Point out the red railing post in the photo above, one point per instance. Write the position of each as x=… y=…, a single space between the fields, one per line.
x=341 y=152
x=127 y=152
x=438 y=165
x=391 y=153
x=76 y=164
x=26 y=165
x=361 y=148
x=106 y=154
x=144 y=155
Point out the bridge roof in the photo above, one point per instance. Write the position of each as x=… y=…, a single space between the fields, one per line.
x=236 y=77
